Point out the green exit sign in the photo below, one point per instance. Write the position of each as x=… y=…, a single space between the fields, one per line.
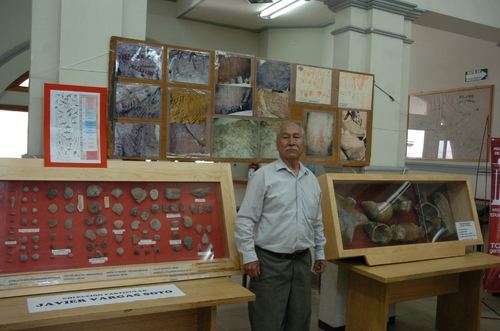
x=475 y=75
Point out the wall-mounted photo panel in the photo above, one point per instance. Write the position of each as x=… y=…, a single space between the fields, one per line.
x=188 y=140
x=267 y=138
x=188 y=106
x=273 y=75
x=273 y=104
x=320 y=131
x=353 y=136
x=139 y=61
x=187 y=66
x=235 y=138
x=233 y=100
x=355 y=90
x=136 y=140
x=232 y=69
x=138 y=101
x=313 y=85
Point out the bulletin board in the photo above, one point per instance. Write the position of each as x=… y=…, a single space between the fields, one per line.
x=175 y=103
x=450 y=125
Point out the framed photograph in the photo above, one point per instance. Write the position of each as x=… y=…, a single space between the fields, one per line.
x=74 y=126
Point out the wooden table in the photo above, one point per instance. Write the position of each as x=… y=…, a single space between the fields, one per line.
x=457 y=281
x=195 y=311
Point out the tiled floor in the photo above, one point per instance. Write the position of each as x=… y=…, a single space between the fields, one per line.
x=410 y=315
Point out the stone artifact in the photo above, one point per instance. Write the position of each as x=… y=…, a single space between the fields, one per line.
x=177 y=248
x=208 y=228
x=174 y=208
x=34 y=210
x=118 y=238
x=188 y=242
x=36 y=247
x=199 y=248
x=89 y=234
x=24 y=199
x=153 y=194
x=428 y=215
x=70 y=236
x=136 y=252
x=94 y=207
x=35 y=189
x=204 y=239
x=156 y=237
x=93 y=191
x=70 y=207
x=68 y=224
x=35 y=257
x=52 y=236
x=145 y=215
x=24 y=221
x=155 y=209
x=89 y=221
x=24 y=210
x=104 y=244
x=116 y=192
x=98 y=254
x=52 y=223
x=1 y=199
x=199 y=228
x=35 y=239
x=172 y=193
x=34 y=222
x=349 y=217
x=102 y=232
x=192 y=207
x=407 y=232
x=26 y=189
x=181 y=207
x=135 y=239
x=89 y=247
x=176 y=235
x=135 y=225
x=120 y=251
x=200 y=209
x=80 y=204
x=67 y=192
x=51 y=193
x=134 y=211
x=378 y=232
x=117 y=208
x=23 y=258
x=52 y=208
x=165 y=208
x=100 y=220
x=24 y=240
x=175 y=223
x=446 y=216
x=118 y=224
x=70 y=245
x=208 y=208
x=155 y=224
x=187 y=221
x=200 y=192
x=139 y=194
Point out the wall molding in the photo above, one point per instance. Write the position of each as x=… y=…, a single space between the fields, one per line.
x=372 y=30
x=13 y=52
x=406 y=9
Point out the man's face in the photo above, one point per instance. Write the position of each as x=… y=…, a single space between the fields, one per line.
x=290 y=144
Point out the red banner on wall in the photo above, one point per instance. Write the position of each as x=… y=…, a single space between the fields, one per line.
x=492 y=276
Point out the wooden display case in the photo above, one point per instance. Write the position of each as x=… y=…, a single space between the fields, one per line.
x=77 y=249
x=398 y=218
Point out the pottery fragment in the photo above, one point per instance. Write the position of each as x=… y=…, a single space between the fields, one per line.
x=187 y=221
x=51 y=193
x=116 y=192
x=67 y=192
x=138 y=194
x=117 y=208
x=68 y=224
x=93 y=191
x=135 y=225
x=172 y=193
x=200 y=192
x=155 y=224
x=94 y=207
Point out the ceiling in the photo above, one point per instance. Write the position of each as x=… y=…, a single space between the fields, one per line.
x=241 y=14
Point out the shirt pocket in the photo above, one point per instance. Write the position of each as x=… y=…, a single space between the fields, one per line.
x=310 y=203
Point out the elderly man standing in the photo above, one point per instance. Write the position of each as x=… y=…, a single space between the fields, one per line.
x=283 y=205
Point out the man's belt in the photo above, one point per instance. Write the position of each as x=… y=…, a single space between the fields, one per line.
x=289 y=256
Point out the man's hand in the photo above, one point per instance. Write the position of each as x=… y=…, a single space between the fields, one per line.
x=319 y=266
x=252 y=268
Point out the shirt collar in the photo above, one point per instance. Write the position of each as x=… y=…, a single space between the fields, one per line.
x=282 y=165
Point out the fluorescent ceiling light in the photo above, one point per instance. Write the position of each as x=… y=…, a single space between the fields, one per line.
x=280 y=7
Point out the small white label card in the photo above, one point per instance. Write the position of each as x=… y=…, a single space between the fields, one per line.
x=466 y=230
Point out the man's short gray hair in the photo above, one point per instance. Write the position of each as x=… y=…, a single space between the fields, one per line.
x=286 y=123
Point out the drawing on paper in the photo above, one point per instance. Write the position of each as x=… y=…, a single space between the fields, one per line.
x=268 y=133
x=320 y=129
x=186 y=66
x=233 y=70
x=355 y=91
x=138 y=100
x=233 y=100
x=273 y=104
x=234 y=138
x=353 y=135
x=139 y=61
x=273 y=75
x=136 y=140
x=188 y=108
x=187 y=139
x=313 y=85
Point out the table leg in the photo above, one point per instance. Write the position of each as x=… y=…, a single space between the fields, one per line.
x=461 y=310
x=207 y=318
x=367 y=304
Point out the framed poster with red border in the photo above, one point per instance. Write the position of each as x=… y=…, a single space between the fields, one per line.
x=74 y=126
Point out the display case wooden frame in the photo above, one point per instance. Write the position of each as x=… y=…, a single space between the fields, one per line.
x=31 y=170
x=377 y=188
